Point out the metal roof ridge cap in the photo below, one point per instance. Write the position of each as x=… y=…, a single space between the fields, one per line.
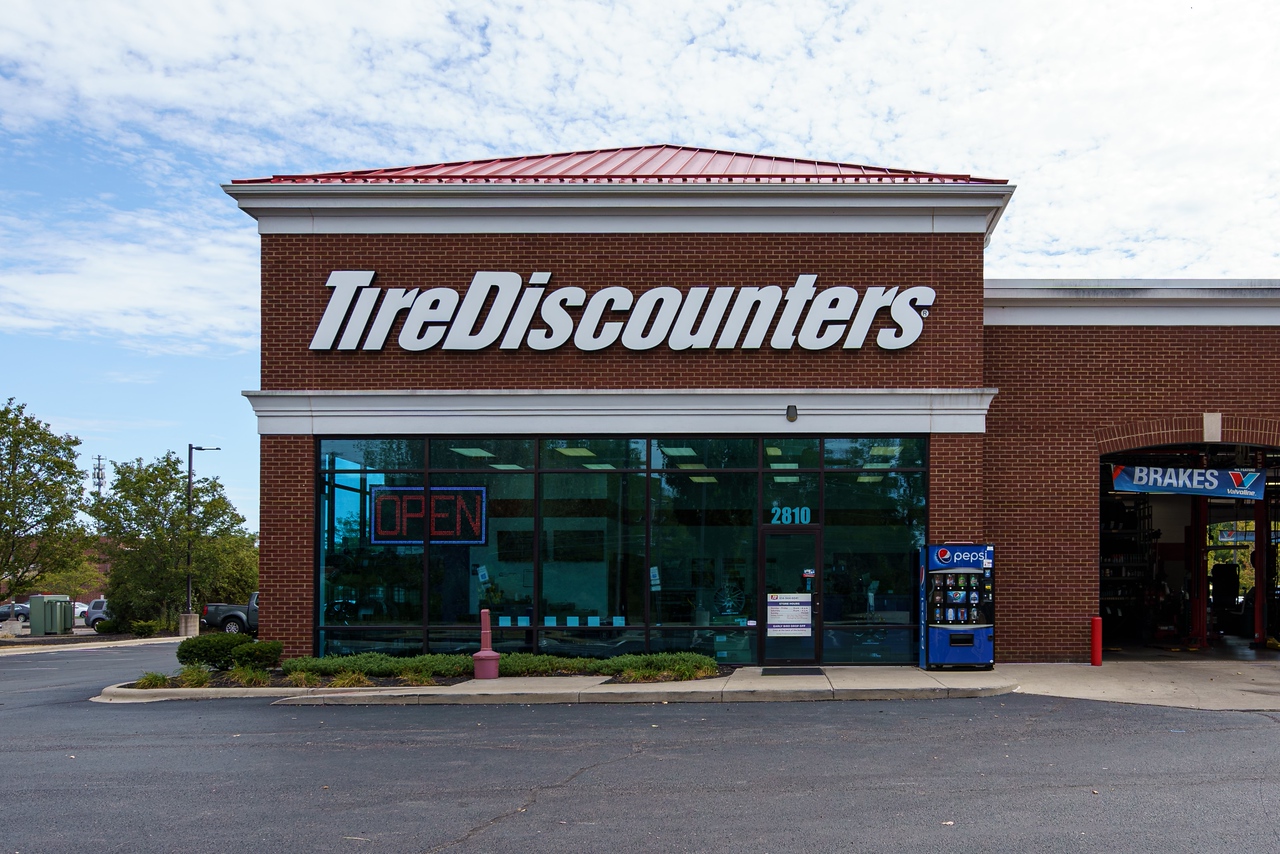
x=461 y=393
x=617 y=187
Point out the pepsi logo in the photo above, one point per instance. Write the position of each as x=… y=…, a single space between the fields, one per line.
x=944 y=555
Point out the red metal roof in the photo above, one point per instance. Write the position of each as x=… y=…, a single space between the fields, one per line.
x=642 y=164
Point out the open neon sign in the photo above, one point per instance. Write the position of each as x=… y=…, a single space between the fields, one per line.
x=452 y=515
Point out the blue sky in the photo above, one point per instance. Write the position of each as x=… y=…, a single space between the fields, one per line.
x=1140 y=135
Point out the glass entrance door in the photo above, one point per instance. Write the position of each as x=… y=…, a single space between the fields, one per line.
x=792 y=589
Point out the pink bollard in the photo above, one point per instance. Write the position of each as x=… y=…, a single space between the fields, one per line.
x=1096 y=641
x=486 y=660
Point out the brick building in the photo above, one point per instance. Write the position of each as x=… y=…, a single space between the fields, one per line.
x=627 y=399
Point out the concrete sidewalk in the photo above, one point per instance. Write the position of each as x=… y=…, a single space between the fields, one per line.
x=1210 y=685
x=746 y=684
x=1190 y=682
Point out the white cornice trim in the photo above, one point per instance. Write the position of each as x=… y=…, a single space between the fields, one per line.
x=630 y=412
x=1132 y=302
x=622 y=209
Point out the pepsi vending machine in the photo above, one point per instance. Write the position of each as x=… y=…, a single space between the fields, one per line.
x=956 y=610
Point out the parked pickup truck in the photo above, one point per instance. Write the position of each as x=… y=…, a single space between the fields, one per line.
x=231 y=618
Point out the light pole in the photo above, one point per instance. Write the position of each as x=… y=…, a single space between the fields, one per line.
x=191 y=454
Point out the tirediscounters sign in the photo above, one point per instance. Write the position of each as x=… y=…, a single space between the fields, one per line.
x=498 y=308
x=1224 y=483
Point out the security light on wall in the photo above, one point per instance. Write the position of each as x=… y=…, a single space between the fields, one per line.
x=792 y=412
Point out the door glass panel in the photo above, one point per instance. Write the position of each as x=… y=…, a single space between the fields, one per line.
x=791 y=585
x=790 y=499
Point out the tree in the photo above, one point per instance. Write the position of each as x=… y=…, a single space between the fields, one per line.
x=145 y=532
x=41 y=492
x=76 y=580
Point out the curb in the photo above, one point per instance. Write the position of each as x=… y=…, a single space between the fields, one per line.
x=29 y=649
x=467 y=693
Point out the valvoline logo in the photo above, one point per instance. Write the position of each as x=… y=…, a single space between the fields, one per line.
x=1242 y=479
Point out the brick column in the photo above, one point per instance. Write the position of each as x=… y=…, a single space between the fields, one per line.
x=286 y=558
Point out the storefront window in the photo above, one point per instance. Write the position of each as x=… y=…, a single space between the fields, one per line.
x=687 y=454
x=790 y=499
x=875 y=453
x=597 y=546
x=471 y=452
x=781 y=454
x=482 y=548
x=703 y=558
x=593 y=454
x=873 y=529
x=373 y=454
x=371 y=533
x=592 y=550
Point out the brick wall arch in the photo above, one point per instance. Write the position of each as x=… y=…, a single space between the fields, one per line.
x=1187 y=430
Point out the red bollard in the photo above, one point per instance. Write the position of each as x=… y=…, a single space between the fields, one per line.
x=1097 y=642
x=486 y=660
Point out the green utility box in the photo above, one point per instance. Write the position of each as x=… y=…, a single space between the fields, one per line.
x=51 y=615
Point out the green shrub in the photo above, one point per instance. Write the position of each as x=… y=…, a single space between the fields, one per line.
x=194 y=676
x=106 y=627
x=145 y=628
x=656 y=667
x=528 y=664
x=249 y=677
x=377 y=664
x=213 y=650
x=660 y=667
x=263 y=655
x=152 y=680
x=350 y=679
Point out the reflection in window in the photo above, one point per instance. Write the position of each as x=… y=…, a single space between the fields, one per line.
x=367 y=579
x=592 y=550
x=593 y=454
x=481 y=556
x=875 y=453
x=703 y=558
x=687 y=454
x=873 y=531
x=349 y=454
x=485 y=454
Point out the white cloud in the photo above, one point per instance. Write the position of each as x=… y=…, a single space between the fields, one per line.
x=140 y=279
x=1141 y=135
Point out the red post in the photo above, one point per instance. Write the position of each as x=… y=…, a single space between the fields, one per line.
x=1096 y=659
x=486 y=660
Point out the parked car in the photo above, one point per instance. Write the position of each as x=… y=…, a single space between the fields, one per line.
x=96 y=613
x=6 y=612
x=231 y=618
x=80 y=608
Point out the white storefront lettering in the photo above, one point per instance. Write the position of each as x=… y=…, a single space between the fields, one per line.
x=498 y=307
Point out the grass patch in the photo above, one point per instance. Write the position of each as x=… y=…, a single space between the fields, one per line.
x=303 y=679
x=249 y=677
x=350 y=679
x=194 y=676
x=152 y=680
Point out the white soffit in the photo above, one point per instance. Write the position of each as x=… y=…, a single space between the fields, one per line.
x=1132 y=302
x=704 y=411
x=622 y=209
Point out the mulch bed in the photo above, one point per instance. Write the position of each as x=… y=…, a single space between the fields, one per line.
x=223 y=680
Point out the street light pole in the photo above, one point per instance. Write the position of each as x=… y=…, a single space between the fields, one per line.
x=191 y=453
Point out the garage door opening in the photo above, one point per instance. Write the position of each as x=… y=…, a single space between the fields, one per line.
x=1182 y=551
